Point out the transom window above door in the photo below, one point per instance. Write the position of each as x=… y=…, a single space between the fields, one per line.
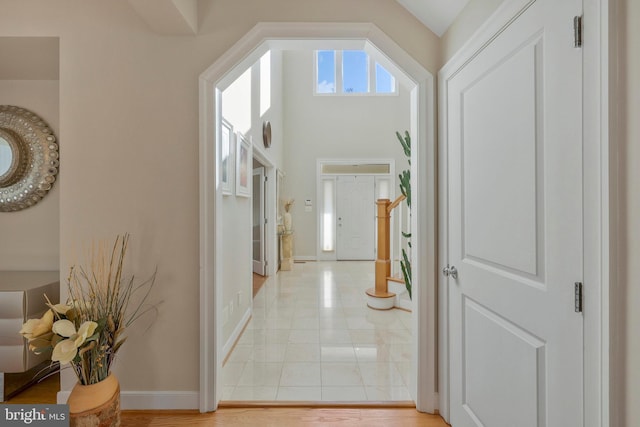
x=351 y=72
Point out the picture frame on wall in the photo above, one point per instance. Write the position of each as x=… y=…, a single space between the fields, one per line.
x=226 y=158
x=244 y=172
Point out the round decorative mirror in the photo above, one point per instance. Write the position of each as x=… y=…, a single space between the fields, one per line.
x=6 y=157
x=29 y=158
x=266 y=133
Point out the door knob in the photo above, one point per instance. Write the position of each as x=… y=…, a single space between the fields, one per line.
x=450 y=271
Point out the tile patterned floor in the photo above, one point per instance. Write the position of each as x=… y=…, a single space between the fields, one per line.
x=312 y=337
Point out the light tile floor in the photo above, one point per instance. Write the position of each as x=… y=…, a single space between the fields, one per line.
x=312 y=337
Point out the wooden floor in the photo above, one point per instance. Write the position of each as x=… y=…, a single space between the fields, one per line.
x=45 y=392
x=284 y=417
x=258 y=281
x=42 y=392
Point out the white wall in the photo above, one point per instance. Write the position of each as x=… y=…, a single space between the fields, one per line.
x=237 y=101
x=31 y=237
x=236 y=266
x=241 y=107
x=331 y=127
x=129 y=121
x=276 y=152
x=276 y=113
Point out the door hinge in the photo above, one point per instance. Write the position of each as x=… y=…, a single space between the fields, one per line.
x=578 y=297
x=265 y=220
x=577 y=31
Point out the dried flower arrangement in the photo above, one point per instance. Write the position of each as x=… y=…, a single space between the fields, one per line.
x=287 y=204
x=88 y=331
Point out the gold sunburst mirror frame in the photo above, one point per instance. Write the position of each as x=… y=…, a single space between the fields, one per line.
x=29 y=158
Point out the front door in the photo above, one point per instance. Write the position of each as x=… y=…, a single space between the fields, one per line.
x=515 y=225
x=356 y=211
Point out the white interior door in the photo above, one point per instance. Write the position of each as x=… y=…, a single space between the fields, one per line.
x=259 y=220
x=356 y=209
x=515 y=225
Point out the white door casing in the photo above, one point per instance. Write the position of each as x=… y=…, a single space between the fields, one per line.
x=259 y=220
x=355 y=210
x=515 y=225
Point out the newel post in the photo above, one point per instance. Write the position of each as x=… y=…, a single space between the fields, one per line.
x=383 y=261
x=379 y=297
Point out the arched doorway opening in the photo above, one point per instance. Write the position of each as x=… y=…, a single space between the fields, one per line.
x=246 y=51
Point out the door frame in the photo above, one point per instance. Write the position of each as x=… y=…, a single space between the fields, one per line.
x=264 y=216
x=322 y=255
x=271 y=209
x=240 y=56
x=598 y=204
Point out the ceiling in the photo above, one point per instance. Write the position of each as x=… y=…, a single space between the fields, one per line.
x=437 y=15
x=37 y=58
x=181 y=16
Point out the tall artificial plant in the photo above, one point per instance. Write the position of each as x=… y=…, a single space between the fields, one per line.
x=405 y=188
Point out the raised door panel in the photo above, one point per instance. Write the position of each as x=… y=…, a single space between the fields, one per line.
x=501 y=146
x=356 y=214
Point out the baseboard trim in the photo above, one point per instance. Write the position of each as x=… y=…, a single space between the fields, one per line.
x=235 y=335
x=227 y=404
x=304 y=258
x=130 y=400
x=141 y=400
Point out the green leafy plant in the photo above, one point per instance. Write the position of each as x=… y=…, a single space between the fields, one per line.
x=405 y=189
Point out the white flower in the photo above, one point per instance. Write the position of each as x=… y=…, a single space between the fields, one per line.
x=86 y=330
x=34 y=328
x=64 y=328
x=60 y=308
x=65 y=351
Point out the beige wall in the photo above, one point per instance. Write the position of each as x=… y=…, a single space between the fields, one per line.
x=31 y=237
x=474 y=14
x=129 y=122
x=625 y=296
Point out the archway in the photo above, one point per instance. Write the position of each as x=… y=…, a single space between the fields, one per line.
x=239 y=57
